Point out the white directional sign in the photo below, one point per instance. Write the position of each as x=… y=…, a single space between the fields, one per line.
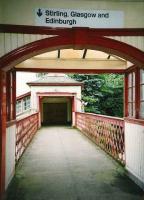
x=79 y=18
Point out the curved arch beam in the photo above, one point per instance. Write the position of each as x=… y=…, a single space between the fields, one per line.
x=76 y=40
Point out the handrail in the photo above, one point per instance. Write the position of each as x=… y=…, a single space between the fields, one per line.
x=104 y=116
x=107 y=132
x=26 y=117
x=25 y=130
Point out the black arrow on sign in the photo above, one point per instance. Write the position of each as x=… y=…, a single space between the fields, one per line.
x=39 y=13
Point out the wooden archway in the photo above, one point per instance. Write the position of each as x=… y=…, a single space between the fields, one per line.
x=76 y=39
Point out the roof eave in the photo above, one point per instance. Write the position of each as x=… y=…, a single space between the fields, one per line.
x=55 y=84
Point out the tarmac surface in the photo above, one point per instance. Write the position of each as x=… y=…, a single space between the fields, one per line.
x=63 y=164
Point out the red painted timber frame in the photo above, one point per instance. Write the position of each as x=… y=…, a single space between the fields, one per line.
x=76 y=38
x=80 y=71
x=55 y=94
x=2 y=131
x=137 y=119
x=24 y=95
x=55 y=84
x=42 y=30
x=11 y=95
x=41 y=95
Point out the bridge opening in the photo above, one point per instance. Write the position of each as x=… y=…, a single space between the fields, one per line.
x=56 y=111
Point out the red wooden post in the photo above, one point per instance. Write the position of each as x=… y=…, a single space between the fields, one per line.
x=40 y=110
x=137 y=92
x=8 y=94
x=73 y=111
x=13 y=95
x=126 y=95
x=2 y=130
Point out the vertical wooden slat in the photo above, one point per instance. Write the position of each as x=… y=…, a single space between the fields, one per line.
x=2 y=131
x=7 y=41
x=14 y=41
x=27 y=38
x=2 y=44
x=20 y=39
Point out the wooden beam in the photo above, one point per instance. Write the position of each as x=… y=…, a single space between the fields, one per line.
x=84 y=54
x=58 y=53
x=82 y=71
x=87 y=64
x=108 y=57
x=11 y=28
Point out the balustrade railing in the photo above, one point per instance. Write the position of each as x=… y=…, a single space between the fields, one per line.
x=107 y=132
x=25 y=130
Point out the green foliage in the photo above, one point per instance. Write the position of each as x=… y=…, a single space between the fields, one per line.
x=103 y=93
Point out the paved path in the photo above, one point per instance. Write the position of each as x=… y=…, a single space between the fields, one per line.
x=62 y=164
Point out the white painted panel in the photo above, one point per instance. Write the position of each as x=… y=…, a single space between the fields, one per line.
x=14 y=41
x=27 y=38
x=45 y=36
x=2 y=45
x=134 y=145
x=71 y=89
x=33 y=37
x=20 y=39
x=7 y=42
x=39 y=37
x=135 y=41
x=11 y=41
x=22 y=12
x=10 y=153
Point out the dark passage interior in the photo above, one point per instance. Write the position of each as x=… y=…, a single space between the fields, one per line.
x=54 y=113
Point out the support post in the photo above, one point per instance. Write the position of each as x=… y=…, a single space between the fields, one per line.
x=73 y=112
x=40 y=111
x=137 y=92
x=8 y=95
x=126 y=95
x=2 y=131
x=13 y=95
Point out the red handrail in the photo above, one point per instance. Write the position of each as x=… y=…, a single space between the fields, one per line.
x=25 y=130
x=105 y=131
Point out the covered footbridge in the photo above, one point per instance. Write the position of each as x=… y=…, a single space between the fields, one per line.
x=119 y=36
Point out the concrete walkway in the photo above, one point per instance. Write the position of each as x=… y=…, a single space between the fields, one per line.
x=62 y=164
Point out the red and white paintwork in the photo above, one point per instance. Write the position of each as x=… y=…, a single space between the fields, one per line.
x=76 y=38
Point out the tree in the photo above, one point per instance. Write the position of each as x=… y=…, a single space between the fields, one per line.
x=103 y=93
